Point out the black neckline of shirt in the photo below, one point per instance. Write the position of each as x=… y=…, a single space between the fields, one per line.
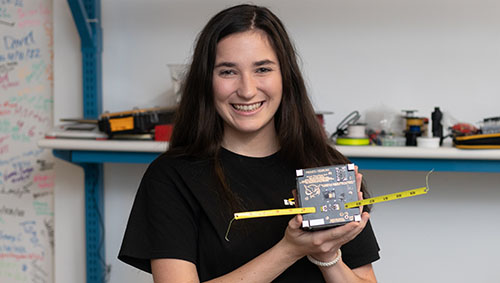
x=231 y=156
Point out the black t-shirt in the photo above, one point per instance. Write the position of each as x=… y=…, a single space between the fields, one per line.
x=176 y=214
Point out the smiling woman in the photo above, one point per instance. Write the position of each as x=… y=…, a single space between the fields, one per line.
x=247 y=92
x=244 y=125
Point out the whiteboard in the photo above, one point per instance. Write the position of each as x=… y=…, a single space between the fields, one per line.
x=26 y=171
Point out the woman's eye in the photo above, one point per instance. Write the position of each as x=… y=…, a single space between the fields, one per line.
x=226 y=72
x=263 y=70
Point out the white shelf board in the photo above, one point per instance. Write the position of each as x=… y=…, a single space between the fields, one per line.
x=104 y=145
x=445 y=152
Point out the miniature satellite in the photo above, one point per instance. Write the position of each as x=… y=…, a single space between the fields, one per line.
x=328 y=189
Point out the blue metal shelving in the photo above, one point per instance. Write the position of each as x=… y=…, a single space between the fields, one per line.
x=87 y=17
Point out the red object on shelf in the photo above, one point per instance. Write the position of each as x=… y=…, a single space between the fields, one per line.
x=163 y=132
x=464 y=128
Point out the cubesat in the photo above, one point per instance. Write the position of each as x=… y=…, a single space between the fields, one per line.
x=327 y=189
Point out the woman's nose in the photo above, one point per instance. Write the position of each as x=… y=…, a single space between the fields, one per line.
x=248 y=86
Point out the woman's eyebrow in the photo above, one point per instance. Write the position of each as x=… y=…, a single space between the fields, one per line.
x=264 y=62
x=256 y=64
x=225 y=64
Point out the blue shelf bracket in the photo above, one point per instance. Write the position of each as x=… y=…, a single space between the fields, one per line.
x=87 y=17
x=94 y=222
x=94 y=214
x=82 y=22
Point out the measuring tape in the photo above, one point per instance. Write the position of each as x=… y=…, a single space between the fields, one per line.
x=274 y=212
x=400 y=195
x=304 y=210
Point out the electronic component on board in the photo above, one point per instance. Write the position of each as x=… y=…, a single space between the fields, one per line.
x=327 y=189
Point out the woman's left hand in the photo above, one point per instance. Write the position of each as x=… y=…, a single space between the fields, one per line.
x=323 y=245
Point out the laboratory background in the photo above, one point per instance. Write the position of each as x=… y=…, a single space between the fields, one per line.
x=389 y=80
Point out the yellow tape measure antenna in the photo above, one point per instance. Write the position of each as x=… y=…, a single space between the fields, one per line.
x=389 y=197
x=273 y=212
x=394 y=196
x=304 y=210
x=267 y=213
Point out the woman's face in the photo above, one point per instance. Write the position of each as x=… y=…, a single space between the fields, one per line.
x=247 y=83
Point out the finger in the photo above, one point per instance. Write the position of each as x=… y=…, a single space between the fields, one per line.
x=365 y=216
x=335 y=237
x=359 y=178
x=295 y=222
x=360 y=197
x=340 y=235
x=336 y=233
x=356 y=227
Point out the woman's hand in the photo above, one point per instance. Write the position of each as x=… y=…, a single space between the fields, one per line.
x=323 y=245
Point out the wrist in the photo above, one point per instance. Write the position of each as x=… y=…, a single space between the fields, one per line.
x=327 y=263
x=291 y=251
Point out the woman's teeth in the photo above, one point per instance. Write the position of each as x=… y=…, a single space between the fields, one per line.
x=250 y=107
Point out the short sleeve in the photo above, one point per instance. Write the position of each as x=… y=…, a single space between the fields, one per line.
x=361 y=250
x=162 y=221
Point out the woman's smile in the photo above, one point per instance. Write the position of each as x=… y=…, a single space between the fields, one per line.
x=247 y=107
x=247 y=85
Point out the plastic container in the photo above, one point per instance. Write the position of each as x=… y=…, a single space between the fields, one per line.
x=491 y=125
x=427 y=142
x=393 y=141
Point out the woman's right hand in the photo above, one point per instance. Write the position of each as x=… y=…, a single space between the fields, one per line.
x=321 y=245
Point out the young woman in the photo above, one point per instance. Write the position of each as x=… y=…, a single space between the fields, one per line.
x=244 y=125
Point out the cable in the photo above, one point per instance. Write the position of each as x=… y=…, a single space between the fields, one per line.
x=350 y=119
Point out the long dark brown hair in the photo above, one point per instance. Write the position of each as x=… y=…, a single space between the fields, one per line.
x=199 y=129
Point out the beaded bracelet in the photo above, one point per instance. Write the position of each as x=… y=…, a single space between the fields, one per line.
x=325 y=264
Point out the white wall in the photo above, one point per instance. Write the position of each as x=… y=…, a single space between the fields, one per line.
x=357 y=55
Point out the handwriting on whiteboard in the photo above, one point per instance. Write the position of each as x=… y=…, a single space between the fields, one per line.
x=26 y=171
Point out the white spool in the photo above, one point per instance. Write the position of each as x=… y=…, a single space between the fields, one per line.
x=356 y=131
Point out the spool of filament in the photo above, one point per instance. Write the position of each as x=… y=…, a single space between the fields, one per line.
x=356 y=131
